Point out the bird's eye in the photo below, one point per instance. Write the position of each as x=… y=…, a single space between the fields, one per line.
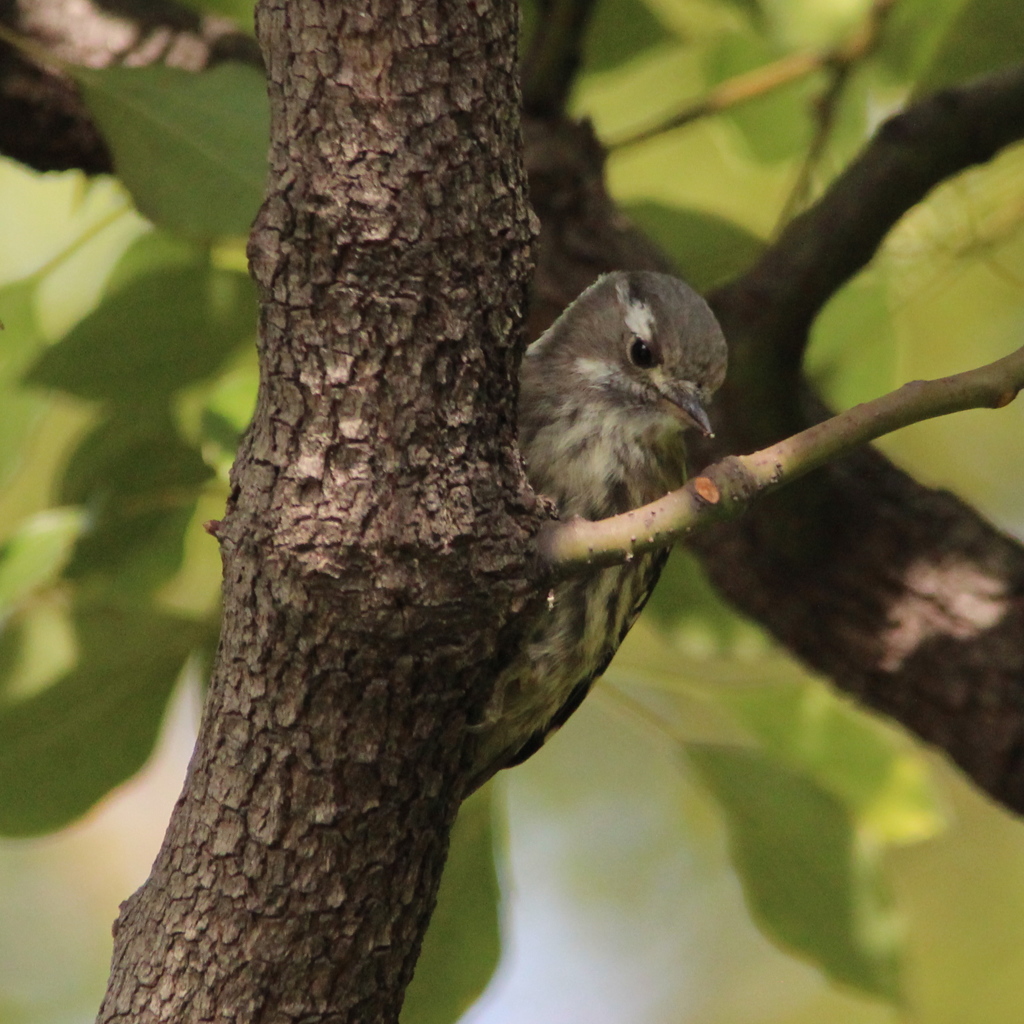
x=641 y=354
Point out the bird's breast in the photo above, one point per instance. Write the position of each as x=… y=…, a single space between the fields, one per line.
x=600 y=463
x=570 y=646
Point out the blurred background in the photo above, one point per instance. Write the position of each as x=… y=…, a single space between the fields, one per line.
x=716 y=837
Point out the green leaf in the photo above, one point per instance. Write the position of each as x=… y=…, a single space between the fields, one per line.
x=853 y=353
x=229 y=406
x=913 y=31
x=65 y=747
x=140 y=482
x=191 y=147
x=777 y=125
x=684 y=597
x=19 y=341
x=239 y=11
x=39 y=646
x=132 y=457
x=620 y=30
x=706 y=249
x=984 y=35
x=12 y=643
x=154 y=252
x=36 y=553
x=811 y=880
x=133 y=551
x=751 y=8
x=157 y=334
x=884 y=783
x=462 y=944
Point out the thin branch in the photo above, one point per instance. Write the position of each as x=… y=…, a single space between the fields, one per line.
x=861 y=45
x=767 y=312
x=733 y=92
x=822 y=564
x=752 y=85
x=725 y=489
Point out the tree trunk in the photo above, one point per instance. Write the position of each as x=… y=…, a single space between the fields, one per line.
x=960 y=685
x=378 y=539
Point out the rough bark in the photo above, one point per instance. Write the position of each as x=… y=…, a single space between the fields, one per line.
x=903 y=595
x=302 y=860
x=378 y=538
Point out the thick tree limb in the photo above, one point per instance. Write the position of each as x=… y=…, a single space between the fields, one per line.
x=902 y=595
x=378 y=544
x=849 y=566
x=556 y=50
x=767 y=312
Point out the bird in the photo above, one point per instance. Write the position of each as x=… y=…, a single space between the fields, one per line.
x=606 y=394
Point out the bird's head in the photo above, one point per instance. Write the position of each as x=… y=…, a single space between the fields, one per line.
x=644 y=347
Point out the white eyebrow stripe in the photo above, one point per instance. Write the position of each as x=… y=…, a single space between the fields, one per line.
x=638 y=316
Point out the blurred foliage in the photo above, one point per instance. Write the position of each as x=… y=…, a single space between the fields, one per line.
x=619 y=31
x=66 y=745
x=786 y=759
x=983 y=36
x=190 y=148
x=822 y=898
x=127 y=373
x=707 y=250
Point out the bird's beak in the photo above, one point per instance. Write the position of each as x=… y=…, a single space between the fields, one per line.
x=683 y=402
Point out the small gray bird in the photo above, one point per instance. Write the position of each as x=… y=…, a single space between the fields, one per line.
x=606 y=393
